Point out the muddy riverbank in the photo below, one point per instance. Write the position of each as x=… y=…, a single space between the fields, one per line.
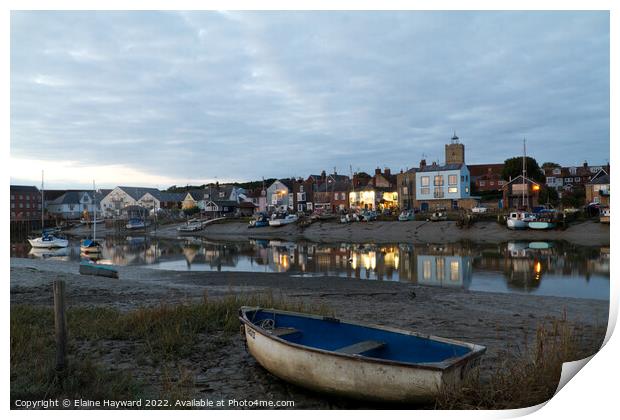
x=502 y=322
x=586 y=233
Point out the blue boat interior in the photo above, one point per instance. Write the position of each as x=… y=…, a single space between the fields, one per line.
x=332 y=335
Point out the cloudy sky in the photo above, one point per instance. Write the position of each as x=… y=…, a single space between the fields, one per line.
x=156 y=99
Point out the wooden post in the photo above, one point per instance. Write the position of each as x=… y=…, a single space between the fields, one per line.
x=60 y=323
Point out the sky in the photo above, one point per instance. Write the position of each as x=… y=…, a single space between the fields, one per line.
x=175 y=98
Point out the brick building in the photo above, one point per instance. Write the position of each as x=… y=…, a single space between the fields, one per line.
x=25 y=202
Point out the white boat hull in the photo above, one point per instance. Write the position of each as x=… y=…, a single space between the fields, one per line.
x=516 y=224
x=51 y=243
x=355 y=376
x=282 y=222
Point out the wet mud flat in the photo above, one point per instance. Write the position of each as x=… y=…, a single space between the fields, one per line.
x=219 y=367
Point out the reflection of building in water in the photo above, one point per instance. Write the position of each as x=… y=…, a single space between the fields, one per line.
x=444 y=270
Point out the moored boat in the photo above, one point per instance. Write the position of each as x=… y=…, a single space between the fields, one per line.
x=406 y=215
x=190 y=227
x=439 y=216
x=91 y=269
x=48 y=241
x=281 y=221
x=518 y=220
x=92 y=246
x=135 y=224
x=604 y=215
x=355 y=360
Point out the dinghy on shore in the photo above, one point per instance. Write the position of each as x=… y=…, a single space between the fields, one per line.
x=355 y=360
x=91 y=269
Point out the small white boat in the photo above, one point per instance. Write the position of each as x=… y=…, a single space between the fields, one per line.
x=90 y=222
x=519 y=220
x=604 y=216
x=48 y=241
x=355 y=360
x=406 y=216
x=190 y=227
x=135 y=224
x=289 y=218
x=439 y=216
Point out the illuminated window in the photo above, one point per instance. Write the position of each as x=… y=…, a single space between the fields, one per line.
x=454 y=271
x=453 y=189
x=452 y=179
x=438 y=180
x=438 y=192
x=425 y=181
x=427 y=270
x=441 y=265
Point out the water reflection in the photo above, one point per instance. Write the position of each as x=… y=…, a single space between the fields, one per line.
x=545 y=268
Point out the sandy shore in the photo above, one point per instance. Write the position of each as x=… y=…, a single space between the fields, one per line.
x=502 y=322
x=586 y=233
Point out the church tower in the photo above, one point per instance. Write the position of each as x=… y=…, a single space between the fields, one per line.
x=455 y=151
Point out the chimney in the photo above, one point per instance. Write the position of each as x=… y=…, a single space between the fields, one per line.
x=386 y=171
x=323 y=174
x=585 y=164
x=378 y=171
x=423 y=164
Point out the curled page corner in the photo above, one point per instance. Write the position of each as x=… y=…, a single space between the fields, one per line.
x=569 y=370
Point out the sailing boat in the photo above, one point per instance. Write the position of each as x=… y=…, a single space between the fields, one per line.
x=520 y=219
x=91 y=246
x=47 y=239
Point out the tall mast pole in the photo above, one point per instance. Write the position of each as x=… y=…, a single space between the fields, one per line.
x=94 y=212
x=42 y=204
x=523 y=176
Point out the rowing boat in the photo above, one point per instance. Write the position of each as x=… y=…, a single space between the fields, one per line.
x=356 y=360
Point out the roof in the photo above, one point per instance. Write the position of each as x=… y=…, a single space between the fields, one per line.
x=484 y=169
x=24 y=188
x=247 y=204
x=138 y=192
x=70 y=197
x=220 y=203
x=334 y=186
x=167 y=196
x=520 y=177
x=437 y=168
x=196 y=195
x=602 y=179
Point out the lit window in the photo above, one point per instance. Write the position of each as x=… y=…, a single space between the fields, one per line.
x=454 y=270
x=438 y=181
x=453 y=189
x=427 y=270
x=483 y=183
x=425 y=181
x=452 y=179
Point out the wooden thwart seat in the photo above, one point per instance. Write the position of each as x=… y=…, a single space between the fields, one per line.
x=361 y=347
x=279 y=332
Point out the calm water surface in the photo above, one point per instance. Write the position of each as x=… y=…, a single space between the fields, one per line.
x=539 y=268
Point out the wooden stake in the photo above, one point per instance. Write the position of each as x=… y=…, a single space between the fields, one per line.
x=60 y=323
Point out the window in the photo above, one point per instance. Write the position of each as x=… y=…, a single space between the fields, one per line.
x=27 y=205
x=557 y=171
x=425 y=181
x=427 y=270
x=441 y=265
x=222 y=194
x=21 y=205
x=405 y=191
x=467 y=189
x=453 y=189
x=483 y=183
x=438 y=181
x=12 y=197
x=452 y=179
x=438 y=192
x=578 y=179
x=568 y=179
x=454 y=270
x=425 y=191
x=12 y=205
x=301 y=196
x=21 y=197
x=462 y=178
x=573 y=170
x=550 y=180
x=300 y=207
x=500 y=183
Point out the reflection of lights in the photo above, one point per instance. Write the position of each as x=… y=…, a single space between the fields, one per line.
x=396 y=260
x=354 y=261
x=537 y=267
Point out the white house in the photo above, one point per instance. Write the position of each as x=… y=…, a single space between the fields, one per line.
x=280 y=195
x=121 y=197
x=72 y=204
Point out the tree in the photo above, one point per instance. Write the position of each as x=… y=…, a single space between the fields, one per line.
x=575 y=198
x=513 y=167
x=191 y=211
x=550 y=165
x=548 y=195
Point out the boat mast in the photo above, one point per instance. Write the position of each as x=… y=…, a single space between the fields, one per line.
x=42 y=204
x=94 y=212
x=523 y=176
